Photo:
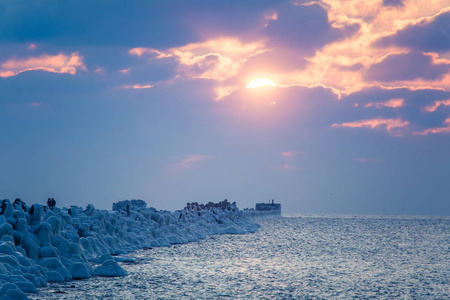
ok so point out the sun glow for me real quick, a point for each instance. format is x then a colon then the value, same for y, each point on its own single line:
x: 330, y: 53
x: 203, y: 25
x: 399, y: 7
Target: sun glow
x: 260, y: 82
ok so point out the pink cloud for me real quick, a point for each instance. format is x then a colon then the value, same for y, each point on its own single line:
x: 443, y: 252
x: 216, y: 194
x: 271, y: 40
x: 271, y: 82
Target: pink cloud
x: 436, y: 104
x: 389, y: 124
x: 218, y: 59
x: 393, y: 103
x: 283, y: 167
x: 191, y: 159
x: 362, y: 160
x: 125, y: 71
x: 445, y: 129
x: 291, y: 153
x: 60, y: 63
x: 137, y: 86
x: 146, y: 51
x: 100, y: 71
x: 32, y: 47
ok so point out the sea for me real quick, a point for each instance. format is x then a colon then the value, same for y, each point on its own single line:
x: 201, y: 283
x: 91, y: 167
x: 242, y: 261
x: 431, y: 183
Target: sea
x: 296, y: 257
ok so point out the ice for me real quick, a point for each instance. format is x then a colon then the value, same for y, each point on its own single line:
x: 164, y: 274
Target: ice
x: 11, y: 291
x: 110, y: 268
x: 79, y: 271
x: 40, y: 245
x: 53, y: 276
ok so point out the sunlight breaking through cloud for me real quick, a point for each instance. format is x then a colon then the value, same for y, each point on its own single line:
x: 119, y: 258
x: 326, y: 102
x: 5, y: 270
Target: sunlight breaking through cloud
x: 60, y: 63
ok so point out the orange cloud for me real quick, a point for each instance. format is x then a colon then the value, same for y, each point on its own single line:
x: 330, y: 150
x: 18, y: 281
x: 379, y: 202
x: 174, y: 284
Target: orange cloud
x: 393, y: 103
x: 436, y: 104
x: 125, y: 71
x: 270, y: 17
x: 389, y: 124
x: 218, y: 59
x: 223, y: 91
x: 59, y: 63
x: 445, y: 129
x: 147, y: 51
x: 137, y: 86
x: 341, y: 64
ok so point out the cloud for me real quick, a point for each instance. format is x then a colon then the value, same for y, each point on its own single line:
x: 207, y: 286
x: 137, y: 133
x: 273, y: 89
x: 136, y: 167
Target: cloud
x: 429, y: 34
x: 100, y: 70
x: 291, y: 153
x: 147, y: 51
x: 407, y: 66
x: 217, y: 59
x: 136, y: 86
x: 125, y: 71
x: 422, y: 108
x: 287, y: 166
x: 36, y: 104
x: 445, y: 129
x: 393, y: 103
x: 395, y: 3
x: 283, y: 167
x: 306, y: 27
x: 192, y: 159
x: 391, y: 125
x: 117, y: 24
x: 60, y: 63
x: 436, y: 104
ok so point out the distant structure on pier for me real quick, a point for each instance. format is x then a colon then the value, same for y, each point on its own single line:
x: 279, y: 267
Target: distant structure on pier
x: 263, y: 211
x: 268, y: 206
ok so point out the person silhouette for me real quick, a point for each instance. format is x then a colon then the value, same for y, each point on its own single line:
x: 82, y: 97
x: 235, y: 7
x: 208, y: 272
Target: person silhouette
x: 51, y: 203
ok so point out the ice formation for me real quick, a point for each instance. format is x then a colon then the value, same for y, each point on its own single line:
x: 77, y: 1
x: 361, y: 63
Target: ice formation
x: 39, y: 245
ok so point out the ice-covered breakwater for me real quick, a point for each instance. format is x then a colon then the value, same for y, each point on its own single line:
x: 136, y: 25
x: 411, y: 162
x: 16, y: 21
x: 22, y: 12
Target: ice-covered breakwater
x: 39, y: 245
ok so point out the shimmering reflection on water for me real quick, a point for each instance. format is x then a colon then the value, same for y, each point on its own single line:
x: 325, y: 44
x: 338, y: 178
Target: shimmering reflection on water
x: 308, y: 257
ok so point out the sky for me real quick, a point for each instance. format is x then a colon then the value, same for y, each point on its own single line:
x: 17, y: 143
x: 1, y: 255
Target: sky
x: 102, y: 101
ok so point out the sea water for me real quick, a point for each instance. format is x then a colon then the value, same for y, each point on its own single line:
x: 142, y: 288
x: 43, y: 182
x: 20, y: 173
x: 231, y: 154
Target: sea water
x: 303, y: 257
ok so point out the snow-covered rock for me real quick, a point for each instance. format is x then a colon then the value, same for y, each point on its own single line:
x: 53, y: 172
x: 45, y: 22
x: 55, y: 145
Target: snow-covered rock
x: 39, y: 245
x: 110, y: 268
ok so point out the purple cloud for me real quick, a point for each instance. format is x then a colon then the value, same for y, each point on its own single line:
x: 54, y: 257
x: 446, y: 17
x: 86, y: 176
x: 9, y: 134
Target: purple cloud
x: 395, y: 3
x: 417, y: 107
x: 428, y: 35
x: 407, y: 66
x: 305, y: 27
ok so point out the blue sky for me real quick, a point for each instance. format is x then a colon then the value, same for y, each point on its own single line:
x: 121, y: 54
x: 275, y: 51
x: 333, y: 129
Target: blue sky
x: 102, y: 101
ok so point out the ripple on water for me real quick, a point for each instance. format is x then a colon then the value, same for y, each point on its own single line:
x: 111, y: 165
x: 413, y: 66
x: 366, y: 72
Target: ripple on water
x: 307, y: 257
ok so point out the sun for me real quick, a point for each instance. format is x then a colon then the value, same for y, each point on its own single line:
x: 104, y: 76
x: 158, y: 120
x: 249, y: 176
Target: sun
x: 260, y: 82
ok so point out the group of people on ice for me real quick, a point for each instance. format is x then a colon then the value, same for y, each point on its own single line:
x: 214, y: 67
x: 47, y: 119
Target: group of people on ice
x: 224, y: 205
x: 21, y: 205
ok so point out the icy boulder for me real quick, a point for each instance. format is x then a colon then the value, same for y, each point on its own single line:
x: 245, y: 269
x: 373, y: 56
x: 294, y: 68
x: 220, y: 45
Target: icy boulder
x: 110, y: 268
x: 11, y: 291
x: 132, y: 205
x: 40, y: 245
x: 79, y: 271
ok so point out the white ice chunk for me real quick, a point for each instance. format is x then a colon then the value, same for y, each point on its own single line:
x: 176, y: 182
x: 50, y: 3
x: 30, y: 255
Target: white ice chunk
x: 110, y: 268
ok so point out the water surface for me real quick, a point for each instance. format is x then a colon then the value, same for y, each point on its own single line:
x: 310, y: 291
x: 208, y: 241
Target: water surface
x: 306, y: 257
